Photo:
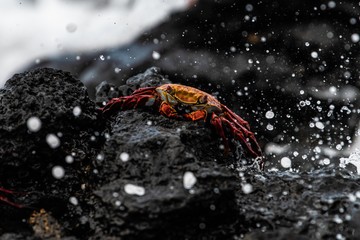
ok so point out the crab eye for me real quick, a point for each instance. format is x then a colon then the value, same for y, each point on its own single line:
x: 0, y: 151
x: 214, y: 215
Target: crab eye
x: 203, y: 99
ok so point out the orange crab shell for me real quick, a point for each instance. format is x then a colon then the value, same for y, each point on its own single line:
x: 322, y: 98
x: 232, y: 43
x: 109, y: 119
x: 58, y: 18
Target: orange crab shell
x: 187, y: 95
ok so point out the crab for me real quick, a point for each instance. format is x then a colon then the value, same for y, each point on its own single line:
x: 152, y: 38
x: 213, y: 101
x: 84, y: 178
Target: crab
x: 188, y: 103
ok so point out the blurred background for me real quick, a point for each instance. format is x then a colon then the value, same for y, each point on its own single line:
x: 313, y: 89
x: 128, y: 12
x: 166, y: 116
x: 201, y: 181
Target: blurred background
x: 32, y: 29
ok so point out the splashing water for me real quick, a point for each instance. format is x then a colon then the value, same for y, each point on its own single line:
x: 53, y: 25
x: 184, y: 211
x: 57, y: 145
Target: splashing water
x: 353, y: 159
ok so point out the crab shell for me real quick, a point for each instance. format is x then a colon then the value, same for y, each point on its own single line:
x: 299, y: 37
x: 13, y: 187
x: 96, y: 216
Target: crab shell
x: 195, y: 99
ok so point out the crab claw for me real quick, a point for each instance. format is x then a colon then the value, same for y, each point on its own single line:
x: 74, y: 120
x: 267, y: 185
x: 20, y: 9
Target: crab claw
x: 140, y: 97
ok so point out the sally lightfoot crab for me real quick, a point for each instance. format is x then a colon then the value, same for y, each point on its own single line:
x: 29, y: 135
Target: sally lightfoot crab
x: 184, y: 102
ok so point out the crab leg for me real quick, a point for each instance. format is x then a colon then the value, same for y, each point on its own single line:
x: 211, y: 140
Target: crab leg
x: 242, y: 134
x: 217, y: 123
x: 6, y: 200
x: 140, y: 97
x: 233, y: 116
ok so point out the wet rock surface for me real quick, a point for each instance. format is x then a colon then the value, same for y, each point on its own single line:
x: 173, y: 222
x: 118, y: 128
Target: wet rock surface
x: 154, y: 154
x: 147, y: 176
x: 49, y: 134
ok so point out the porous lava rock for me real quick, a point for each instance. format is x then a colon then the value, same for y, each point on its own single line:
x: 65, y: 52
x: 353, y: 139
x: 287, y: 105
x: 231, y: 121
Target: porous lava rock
x: 133, y: 177
x: 61, y: 139
x: 154, y: 153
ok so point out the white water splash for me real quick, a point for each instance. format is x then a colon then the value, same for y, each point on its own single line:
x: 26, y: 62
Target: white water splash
x: 32, y: 29
x: 353, y: 159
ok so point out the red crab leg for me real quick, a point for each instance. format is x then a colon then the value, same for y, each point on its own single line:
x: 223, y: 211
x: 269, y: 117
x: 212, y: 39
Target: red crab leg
x: 217, y: 123
x: 241, y: 133
x: 6, y: 200
x: 233, y: 116
x: 140, y: 97
x: 241, y: 130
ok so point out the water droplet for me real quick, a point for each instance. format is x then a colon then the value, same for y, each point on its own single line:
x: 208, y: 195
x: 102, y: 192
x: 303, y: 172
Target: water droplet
x: 189, y: 180
x: 247, y: 188
x: 319, y: 125
x: 285, y: 162
x: 249, y: 7
x: 73, y: 200
x: 331, y: 4
x: 269, y: 114
x: 134, y: 190
x: 270, y: 59
x: 202, y: 226
x: 124, y: 156
x: 269, y: 127
x: 355, y: 37
x: 347, y: 74
x: 52, y: 140
x: 314, y: 54
x: 58, y: 172
x: 100, y: 157
x: 77, y: 111
x: 69, y: 159
x: 33, y: 124
x: 156, y: 55
x: 332, y: 89
x: 337, y: 219
x: 357, y: 194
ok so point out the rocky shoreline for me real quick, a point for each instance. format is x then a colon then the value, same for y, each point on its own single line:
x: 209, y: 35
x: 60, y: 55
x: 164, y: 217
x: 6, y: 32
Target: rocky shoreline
x: 289, y: 69
x: 126, y: 179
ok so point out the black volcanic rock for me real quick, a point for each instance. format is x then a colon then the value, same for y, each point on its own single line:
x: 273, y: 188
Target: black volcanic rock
x: 153, y: 152
x: 132, y: 176
x: 50, y: 96
x: 65, y: 141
